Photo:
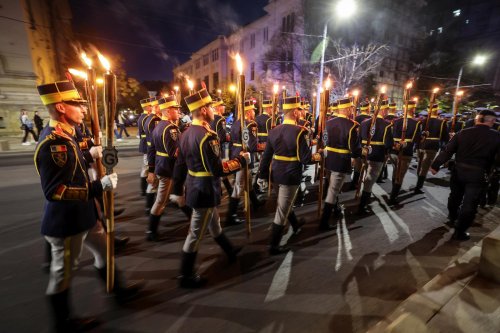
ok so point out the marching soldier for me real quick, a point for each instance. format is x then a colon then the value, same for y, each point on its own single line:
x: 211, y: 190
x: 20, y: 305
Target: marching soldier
x: 380, y: 144
x: 218, y: 125
x: 436, y: 136
x: 342, y: 143
x: 143, y: 147
x: 391, y: 115
x: 199, y: 160
x: 69, y: 219
x: 402, y: 151
x: 236, y: 148
x: 477, y: 151
x: 264, y: 120
x: 459, y: 125
x: 150, y: 121
x: 364, y: 109
x: 162, y: 154
x: 288, y: 149
x: 308, y: 113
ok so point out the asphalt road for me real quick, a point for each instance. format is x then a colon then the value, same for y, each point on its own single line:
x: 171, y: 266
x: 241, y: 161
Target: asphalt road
x: 341, y: 281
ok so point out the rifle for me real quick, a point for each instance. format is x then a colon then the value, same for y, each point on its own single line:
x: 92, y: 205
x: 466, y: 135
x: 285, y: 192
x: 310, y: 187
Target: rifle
x: 321, y: 143
x: 371, y: 131
x: 406, y: 98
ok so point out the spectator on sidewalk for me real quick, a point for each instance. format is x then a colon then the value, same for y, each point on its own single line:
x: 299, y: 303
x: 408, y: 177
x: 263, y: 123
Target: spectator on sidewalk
x: 38, y: 123
x: 121, y: 125
x: 27, y: 126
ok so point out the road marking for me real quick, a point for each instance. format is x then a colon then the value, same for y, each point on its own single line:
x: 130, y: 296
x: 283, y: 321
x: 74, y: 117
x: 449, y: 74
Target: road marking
x: 343, y: 238
x: 280, y: 280
x: 378, y: 191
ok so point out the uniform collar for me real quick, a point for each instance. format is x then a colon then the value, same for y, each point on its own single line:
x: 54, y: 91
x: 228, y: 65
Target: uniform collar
x: 65, y: 127
x: 341, y: 116
x: 289, y: 122
x: 197, y: 122
x: 379, y: 116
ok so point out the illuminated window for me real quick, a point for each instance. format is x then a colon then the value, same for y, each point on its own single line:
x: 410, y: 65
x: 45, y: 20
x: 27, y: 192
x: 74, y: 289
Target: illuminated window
x: 440, y: 30
x: 456, y: 13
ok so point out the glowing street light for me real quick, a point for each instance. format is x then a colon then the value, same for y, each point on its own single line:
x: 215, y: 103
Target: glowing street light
x: 479, y: 60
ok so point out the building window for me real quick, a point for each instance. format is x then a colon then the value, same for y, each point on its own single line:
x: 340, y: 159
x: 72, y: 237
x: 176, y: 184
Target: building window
x: 216, y: 80
x: 242, y: 44
x: 456, y: 13
x: 265, y: 35
x: 231, y: 75
x: 440, y: 30
x: 215, y: 55
x: 206, y: 83
x: 197, y: 64
x: 466, y: 21
x: 288, y: 23
x: 205, y: 60
x: 252, y: 41
x: 252, y: 71
x: 431, y: 32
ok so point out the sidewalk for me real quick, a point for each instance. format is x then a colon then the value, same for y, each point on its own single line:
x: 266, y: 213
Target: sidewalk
x: 12, y: 145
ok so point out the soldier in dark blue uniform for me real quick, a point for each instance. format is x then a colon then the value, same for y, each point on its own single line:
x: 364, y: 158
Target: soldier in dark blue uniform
x: 69, y: 216
x: 364, y: 114
x: 264, y: 120
x: 436, y: 137
x: 219, y: 126
x: 459, y: 125
x: 236, y: 148
x: 402, y: 159
x: 374, y: 154
x: 199, y: 160
x: 150, y: 121
x: 391, y: 115
x: 162, y: 154
x: 288, y: 149
x: 477, y: 151
x: 342, y: 144
x: 143, y: 147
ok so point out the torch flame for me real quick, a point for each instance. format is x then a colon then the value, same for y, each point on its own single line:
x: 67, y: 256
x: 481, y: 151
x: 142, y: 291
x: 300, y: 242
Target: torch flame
x: 239, y: 63
x: 190, y: 84
x: 275, y: 88
x: 460, y: 93
x: 435, y: 90
x: 176, y: 88
x: 78, y: 73
x: 355, y: 93
x: 383, y: 89
x: 328, y: 83
x: 105, y: 62
x: 99, y: 80
x: 415, y: 99
x: 409, y: 85
x: 86, y: 59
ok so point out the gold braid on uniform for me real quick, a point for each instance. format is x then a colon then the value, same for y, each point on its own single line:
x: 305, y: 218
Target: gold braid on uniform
x: 64, y: 192
x: 231, y: 166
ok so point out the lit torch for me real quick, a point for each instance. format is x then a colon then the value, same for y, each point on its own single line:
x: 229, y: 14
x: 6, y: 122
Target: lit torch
x: 458, y: 96
x: 190, y: 85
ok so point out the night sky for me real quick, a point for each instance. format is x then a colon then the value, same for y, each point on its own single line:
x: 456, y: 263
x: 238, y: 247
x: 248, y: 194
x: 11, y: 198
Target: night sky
x: 155, y: 35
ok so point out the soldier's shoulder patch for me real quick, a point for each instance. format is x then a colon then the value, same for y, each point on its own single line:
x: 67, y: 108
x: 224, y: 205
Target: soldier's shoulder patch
x: 174, y: 134
x: 59, y: 154
x: 214, y: 144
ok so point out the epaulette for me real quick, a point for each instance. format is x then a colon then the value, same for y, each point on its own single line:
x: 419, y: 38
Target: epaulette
x: 209, y: 130
x: 58, y: 132
x: 252, y: 124
x: 354, y: 121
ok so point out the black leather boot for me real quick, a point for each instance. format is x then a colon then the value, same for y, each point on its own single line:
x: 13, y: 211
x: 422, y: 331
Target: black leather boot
x: 420, y: 184
x: 385, y: 172
x: 152, y: 233
x: 228, y: 248
x: 276, y: 234
x: 189, y: 279
x: 363, y: 203
x: 380, y: 179
x: 324, y: 223
x: 256, y: 203
x: 231, y: 216
x: 355, y: 179
x: 296, y: 224
x: 144, y: 186
x: 122, y: 291
x: 227, y: 185
x: 393, y: 200
x: 188, y: 211
x: 120, y: 242
x: 150, y: 201
x: 61, y: 314
x: 337, y: 209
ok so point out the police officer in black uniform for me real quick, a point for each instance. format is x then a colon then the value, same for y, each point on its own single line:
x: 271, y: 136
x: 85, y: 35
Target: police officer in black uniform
x: 477, y: 151
x: 437, y: 135
x: 288, y: 149
x: 342, y: 144
x: 199, y: 160
x: 374, y: 154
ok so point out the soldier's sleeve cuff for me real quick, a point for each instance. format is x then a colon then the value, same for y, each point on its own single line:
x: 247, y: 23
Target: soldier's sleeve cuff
x: 316, y: 157
x: 64, y: 192
x: 231, y: 166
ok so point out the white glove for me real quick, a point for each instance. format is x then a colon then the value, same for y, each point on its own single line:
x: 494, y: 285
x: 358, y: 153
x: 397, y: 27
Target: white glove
x: 262, y: 183
x: 246, y: 155
x: 92, y: 172
x: 180, y: 200
x: 109, y: 181
x: 96, y: 152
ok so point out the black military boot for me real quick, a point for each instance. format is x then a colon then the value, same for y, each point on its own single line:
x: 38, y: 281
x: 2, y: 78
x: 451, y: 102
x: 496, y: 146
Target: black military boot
x: 144, y: 185
x: 337, y: 209
x: 460, y: 235
x: 380, y: 179
x: 61, y: 314
x: 274, y: 247
x: 363, y: 203
x: 228, y: 248
x: 188, y: 211
x: 393, y: 199
x: 296, y: 224
x: 227, y: 185
x: 385, y: 172
x: 231, y: 216
x: 122, y: 291
x: 120, y: 242
x: 420, y: 184
x: 324, y: 224
x: 152, y: 233
x: 189, y: 279
x: 355, y: 180
x: 256, y: 203
x: 150, y: 201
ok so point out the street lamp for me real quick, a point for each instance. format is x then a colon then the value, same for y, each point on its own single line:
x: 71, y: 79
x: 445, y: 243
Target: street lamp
x: 343, y: 9
x: 479, y: 60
